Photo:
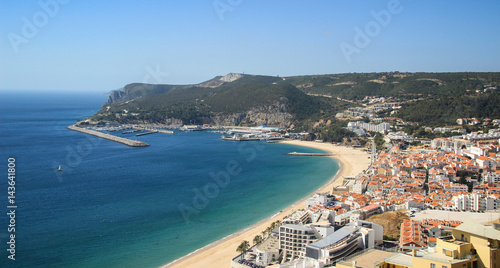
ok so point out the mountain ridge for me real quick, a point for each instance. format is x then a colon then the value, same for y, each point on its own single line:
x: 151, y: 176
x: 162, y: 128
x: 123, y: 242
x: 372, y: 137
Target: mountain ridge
x: 246, y: 99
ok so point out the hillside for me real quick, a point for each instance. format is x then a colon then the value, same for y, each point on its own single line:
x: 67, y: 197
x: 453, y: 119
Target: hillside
x: 446, y: 110
x: 302, y: 101
x: 394, y: 84
x: 242, y: 100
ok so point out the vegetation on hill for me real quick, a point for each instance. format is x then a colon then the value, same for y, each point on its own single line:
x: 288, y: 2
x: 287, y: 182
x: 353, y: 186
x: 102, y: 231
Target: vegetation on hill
x: 355, y: 86
x: 446, y: 110
x: 194, y: 104
x: 434, y: 99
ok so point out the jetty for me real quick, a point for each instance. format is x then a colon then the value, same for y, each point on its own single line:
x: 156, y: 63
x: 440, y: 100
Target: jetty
x: 308, y: 154
x: 125, y: 141
x: 131, y: 131
x: 165, y: 131
x: 150, y: 131
x: 145, y: 133
x: 154, y: 130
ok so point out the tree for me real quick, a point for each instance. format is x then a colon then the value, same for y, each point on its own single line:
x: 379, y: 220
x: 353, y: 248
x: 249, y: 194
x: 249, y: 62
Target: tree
x: 264, y: 232
x: 379, y: 141
x: 243, y: 247
x: 257, y: 239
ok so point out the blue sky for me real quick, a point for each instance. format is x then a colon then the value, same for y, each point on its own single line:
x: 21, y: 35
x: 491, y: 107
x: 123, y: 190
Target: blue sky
x: 103, y: 45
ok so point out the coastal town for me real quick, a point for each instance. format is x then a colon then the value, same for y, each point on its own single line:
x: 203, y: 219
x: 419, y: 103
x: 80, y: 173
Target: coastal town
x: 446, y: 189
x: 441, y: 195
x: 406, y: 195
x: 250, y: 134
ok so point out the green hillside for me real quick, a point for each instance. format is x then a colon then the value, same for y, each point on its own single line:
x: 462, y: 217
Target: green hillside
x: 193, y: 104
x: 401, y: 85
x: 445, y: 111
x: 434, y: 98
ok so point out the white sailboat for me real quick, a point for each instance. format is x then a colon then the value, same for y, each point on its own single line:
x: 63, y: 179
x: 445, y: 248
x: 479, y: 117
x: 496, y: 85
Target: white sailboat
x: 59, y: 169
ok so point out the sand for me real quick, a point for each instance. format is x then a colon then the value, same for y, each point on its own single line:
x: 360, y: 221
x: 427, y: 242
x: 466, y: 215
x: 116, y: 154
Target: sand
x: 219, y: 254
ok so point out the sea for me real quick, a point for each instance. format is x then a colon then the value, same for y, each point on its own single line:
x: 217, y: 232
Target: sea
x: 118, y: 206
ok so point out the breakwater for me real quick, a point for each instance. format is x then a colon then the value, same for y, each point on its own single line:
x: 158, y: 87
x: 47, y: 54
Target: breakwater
x: 128, y: 142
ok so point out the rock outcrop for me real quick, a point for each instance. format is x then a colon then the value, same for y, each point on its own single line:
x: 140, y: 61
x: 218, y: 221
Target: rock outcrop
x: 231, y: 77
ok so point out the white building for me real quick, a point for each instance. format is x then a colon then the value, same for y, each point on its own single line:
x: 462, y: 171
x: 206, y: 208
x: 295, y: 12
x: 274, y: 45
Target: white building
x: 321, y: 199
x: 268, y: 251
x: 418, y: 203
x: 382, y: 127
x: 298, y: 217
x: 293, y: 240
x: 455, y: 188
x: 474, y: 201
x: 491, y: 177
x: 345, y: 241
x: 486, y: 162
x: 398, y: 136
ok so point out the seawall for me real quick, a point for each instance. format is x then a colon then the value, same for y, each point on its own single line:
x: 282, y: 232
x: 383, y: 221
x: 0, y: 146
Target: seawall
x: 125, y: 141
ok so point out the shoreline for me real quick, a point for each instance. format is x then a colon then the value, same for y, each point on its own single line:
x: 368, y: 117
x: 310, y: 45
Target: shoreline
x: 220, y: 253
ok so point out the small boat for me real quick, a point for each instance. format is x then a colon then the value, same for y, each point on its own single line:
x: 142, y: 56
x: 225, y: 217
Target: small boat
x: 59, y: 169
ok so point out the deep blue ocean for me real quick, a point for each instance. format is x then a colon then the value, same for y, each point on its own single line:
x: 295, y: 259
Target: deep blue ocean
x: 118, y: 206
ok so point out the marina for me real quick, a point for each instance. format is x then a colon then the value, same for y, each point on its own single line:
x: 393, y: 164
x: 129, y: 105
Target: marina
x: 238, y: 138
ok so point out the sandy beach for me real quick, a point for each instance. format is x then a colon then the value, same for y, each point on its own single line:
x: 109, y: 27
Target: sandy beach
x: 219, y: 254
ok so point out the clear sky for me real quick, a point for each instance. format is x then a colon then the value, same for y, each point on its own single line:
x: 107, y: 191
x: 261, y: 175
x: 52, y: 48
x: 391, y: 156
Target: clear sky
x: 77, y: 45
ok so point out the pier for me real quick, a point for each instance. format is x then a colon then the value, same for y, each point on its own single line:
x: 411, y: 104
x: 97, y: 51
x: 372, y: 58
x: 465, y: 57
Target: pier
x: 308, y: 154
x: 150, y: 131
x: 146, y: 133
x: 131, y: 131
x: 128, y: 142
x: 165, y: 131
x: 154, y: 130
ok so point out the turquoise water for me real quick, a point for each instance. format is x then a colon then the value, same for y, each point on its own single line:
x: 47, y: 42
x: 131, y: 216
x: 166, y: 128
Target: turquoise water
x: 117, y: 206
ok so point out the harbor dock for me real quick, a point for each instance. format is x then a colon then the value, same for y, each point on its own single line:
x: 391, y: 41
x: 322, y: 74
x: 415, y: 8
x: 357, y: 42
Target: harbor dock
x: 146, y: 133
x: 308, y: 154
x: 150, y: 131
x: 128, y: 142
x: 165, y: 131
x: 131, y: 131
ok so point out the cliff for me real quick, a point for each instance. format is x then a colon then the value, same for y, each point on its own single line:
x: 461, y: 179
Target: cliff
x: 142, y: 90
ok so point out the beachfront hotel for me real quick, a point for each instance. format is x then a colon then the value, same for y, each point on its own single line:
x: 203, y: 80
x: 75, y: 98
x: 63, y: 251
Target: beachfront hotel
x: 323, y: 245
x: 294, y: 238
x: 345, y: 241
